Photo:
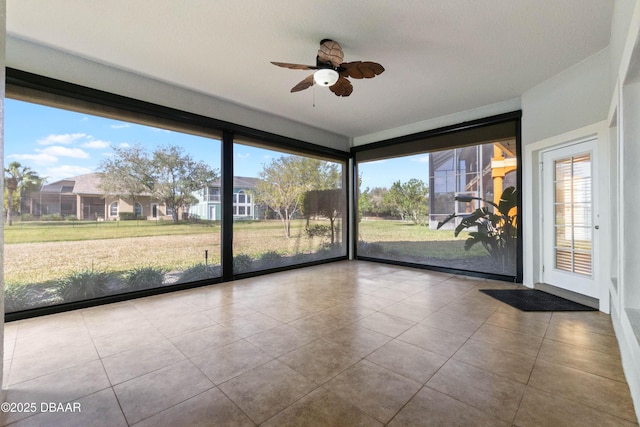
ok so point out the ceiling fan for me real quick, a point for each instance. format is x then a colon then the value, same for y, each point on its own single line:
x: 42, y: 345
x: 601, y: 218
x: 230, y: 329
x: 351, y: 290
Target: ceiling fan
x: 332, y: 72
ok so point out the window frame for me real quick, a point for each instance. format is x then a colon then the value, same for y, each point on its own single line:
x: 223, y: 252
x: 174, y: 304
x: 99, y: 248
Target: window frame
x: 34, y: 88
x: 488, y: 128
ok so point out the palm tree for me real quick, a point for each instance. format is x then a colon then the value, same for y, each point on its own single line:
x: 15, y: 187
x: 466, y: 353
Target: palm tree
x: 18, y: 178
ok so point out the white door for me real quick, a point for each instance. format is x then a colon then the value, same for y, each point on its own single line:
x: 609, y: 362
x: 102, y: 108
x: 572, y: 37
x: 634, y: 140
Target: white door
x: 569, y: 213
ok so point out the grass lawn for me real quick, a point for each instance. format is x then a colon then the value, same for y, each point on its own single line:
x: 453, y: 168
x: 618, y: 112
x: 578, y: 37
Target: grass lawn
x: 414, y: 240
x: 64, y: 231
x: 37, y: 252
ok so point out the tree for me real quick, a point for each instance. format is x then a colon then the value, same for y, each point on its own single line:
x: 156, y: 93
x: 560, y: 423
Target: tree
x: 18, y: 179
x: 410, y: 199
x: 285, y: 180
x: 374, y: 201
x: 167, y: 174
x: 364, y: 203
x: 121, y: 174
x: 327, y: 203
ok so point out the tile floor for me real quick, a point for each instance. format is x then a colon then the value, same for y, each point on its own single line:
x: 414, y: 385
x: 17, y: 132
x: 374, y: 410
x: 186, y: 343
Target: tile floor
x: 343, y: 344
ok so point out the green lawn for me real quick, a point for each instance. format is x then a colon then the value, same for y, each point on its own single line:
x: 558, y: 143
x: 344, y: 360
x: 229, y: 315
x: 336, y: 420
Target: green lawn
x: 65, y: 231
x: 37, y: 252
x: 414, y: 240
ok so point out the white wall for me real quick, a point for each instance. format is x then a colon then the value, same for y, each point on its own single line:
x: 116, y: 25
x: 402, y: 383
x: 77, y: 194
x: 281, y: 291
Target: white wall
x: 595, y: 97
x: 45, y: 61
x: 574, y: 98
x: 560, y: 109
x: 622, y: 15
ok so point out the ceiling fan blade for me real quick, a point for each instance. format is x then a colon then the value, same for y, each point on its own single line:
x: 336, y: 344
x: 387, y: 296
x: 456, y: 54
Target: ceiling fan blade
x: 330, y: 52
x: 342, y: 87
x: 361, y: 70
x: 294, y: 66
x: 306, y: 83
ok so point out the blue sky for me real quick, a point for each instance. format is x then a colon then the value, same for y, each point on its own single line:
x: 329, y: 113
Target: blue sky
x: 383, y: 173
x: 60, y: 144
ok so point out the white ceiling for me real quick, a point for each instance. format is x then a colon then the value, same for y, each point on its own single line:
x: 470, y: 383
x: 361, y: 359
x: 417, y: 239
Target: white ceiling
x: 441, y: 56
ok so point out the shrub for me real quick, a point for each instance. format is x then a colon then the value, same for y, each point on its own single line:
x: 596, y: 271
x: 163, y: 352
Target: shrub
x: 270, y: 259
x: 19, y: 297
x: 51, y: 217
x: 318, y: 230
x: 144, y: 278
x: 84, y: 284
x: 494, y: 226
x: 365, y: 248
x: 242, y: 263
x: 199, y: 272
x: 71, y: 218
x: 130, y: 216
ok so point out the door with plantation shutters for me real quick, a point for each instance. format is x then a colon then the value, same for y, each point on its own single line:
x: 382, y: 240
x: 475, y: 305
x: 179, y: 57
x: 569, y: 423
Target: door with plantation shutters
x: 569, y: 217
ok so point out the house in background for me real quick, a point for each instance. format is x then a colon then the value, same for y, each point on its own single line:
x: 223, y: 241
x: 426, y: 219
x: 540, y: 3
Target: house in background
x: 209, y: 206
x: 82, y: 197
x: 482, y: 171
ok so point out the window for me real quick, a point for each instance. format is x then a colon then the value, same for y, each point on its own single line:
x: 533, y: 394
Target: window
x: 414, y: 197
x: 210, y: 241
x: 214, y: 194
x: 81, y: 187
x: 296, y: 204
x: 242, y: 204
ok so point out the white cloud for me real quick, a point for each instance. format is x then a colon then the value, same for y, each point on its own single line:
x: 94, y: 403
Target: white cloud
x: 124, y: 145
x: 51, y: 155
x: 65, y: 171
x: 244, y: 156
x: 121, y: 126
x: 64, y: 138
x: 96, y: 144
x: 59, y: 151
x: 40, y: 158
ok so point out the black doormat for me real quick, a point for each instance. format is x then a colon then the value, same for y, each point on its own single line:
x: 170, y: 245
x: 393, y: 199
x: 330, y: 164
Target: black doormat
x: 535, y: 300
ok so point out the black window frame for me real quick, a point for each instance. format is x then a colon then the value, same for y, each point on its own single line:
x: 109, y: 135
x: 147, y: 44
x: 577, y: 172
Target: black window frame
x: 29, y: 87
x: 439, y: 139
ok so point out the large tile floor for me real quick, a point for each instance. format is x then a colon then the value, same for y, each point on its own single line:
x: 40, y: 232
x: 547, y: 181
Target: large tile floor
x: 350, y: 343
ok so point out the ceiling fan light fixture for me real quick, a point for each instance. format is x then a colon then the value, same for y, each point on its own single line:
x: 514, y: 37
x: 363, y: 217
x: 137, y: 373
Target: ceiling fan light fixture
x: 325, y: 77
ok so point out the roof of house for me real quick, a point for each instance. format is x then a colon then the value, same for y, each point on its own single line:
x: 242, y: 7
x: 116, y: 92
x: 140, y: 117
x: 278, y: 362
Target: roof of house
x: 62, y: 186
x: 244, y: 182
x: 90, y: 184
x: 239, y: 182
